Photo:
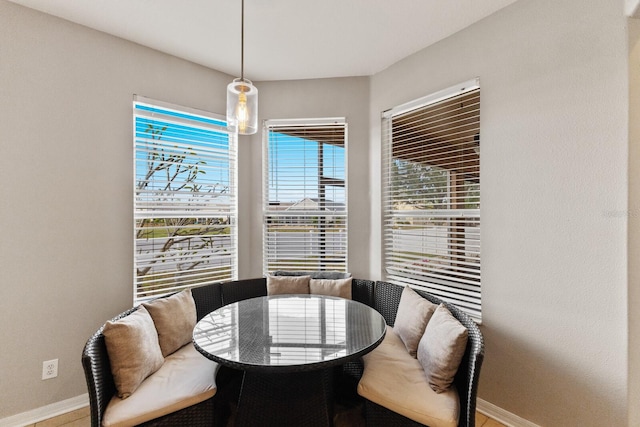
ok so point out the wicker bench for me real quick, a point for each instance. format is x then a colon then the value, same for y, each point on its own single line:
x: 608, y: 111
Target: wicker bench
x: 384, y: 297
x: 386, y: 301
x: 101, y: 385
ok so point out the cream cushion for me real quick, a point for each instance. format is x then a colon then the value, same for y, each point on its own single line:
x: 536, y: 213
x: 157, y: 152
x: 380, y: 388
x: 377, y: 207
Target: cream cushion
x: 174, y: 318
x: 441, y: 348
x: 335, y: 288
x: 134, y: 352
x: 186, y: 378
x: 412, y: 317
x: 279, y: 285
x: 394, y: 379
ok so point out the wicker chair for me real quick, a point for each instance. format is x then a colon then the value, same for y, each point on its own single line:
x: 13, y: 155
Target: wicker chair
x: 101, y: 386
x: 386, y: 301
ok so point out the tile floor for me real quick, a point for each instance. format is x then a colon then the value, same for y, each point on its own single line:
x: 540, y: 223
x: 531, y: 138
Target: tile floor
x: 78, y: 418
x: 484, y: 421
x: 81, y: 418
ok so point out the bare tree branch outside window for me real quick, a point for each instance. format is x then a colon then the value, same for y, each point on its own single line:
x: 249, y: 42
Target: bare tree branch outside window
x: 180, y: 240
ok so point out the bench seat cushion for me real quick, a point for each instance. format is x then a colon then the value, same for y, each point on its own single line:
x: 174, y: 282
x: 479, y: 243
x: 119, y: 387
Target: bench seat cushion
x: 186, y: 378
x: 394, y: 379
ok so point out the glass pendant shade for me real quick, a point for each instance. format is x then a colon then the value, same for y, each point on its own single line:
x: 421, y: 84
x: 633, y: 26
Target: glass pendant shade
x: 242, y: 107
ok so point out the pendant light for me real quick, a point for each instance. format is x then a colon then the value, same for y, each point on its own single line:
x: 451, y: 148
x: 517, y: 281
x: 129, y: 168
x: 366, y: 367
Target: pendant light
x: 242, y: 98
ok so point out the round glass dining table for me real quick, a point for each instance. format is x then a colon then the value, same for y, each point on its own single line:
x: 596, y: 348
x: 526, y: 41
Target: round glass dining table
x: 287, y: 345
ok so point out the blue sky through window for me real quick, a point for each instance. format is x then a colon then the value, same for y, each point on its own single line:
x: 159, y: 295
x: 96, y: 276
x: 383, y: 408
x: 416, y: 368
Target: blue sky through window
x: 172, y: 133
x: 294, y: 170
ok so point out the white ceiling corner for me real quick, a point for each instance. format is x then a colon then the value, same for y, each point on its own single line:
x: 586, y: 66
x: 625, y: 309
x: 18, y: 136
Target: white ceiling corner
x: 632, y: 8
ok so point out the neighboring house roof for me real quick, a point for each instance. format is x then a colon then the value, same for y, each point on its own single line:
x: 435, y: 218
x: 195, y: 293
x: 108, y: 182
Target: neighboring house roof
x: 309, y: 203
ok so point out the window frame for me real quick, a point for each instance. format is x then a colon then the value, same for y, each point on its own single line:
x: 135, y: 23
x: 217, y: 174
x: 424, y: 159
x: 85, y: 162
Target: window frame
x: 413, y: 253
x: 273, y: 210
x: 202, y: 210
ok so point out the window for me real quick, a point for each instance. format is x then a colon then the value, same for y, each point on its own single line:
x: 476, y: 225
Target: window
x: 431, y: 150
x: 305, y: 197
x: 184, y: 199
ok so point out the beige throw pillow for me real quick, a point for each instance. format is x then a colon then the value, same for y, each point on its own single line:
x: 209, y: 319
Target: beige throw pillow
x: 412, y: 317
x: 174, y: 317
x: 279, y: 285
x: 134, y: 353
x: 335, y: 288
x: 441, y: 349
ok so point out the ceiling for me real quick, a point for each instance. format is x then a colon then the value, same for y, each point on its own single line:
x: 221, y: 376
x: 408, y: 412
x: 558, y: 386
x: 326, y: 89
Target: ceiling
x: 284, y: 39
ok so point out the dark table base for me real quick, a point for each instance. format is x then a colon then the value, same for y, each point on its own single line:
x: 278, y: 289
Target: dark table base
x: 286, y: 399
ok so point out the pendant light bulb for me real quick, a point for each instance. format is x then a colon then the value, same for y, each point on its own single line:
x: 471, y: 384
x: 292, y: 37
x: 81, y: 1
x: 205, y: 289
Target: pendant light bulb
x: 241, y: 113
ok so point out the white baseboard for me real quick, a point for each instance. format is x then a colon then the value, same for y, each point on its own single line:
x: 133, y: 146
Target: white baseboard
x: 45, y: 412
x: 499, y: 414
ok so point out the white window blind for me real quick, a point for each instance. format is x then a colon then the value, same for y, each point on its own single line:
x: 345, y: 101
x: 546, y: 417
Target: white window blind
x: 431, y: 192
x: 305, y: 195
x: 184, y: 199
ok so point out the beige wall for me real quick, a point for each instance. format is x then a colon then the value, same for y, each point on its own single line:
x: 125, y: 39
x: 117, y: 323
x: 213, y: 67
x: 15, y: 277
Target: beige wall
x: 553, y: 79
x: 554, y: 193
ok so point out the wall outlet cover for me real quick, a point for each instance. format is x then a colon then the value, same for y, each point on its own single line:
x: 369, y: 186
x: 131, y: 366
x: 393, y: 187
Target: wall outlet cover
x: 49, y: 369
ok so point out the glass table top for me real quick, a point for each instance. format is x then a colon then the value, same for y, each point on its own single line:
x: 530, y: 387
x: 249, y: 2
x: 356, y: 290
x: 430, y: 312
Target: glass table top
x: 289, y: 332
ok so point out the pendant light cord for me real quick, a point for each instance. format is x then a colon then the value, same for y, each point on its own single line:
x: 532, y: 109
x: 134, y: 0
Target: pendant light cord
x: 242, y: 44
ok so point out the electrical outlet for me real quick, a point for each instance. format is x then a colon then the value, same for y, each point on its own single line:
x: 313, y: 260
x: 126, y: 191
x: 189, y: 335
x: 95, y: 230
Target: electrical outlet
x: 49, y: 369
